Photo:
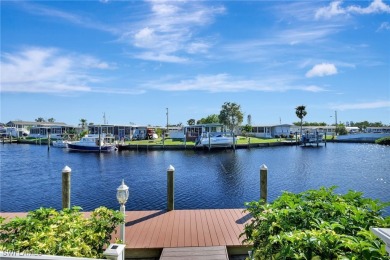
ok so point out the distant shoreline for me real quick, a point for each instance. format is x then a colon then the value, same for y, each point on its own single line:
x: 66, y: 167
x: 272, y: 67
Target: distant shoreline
x: 191, y: 146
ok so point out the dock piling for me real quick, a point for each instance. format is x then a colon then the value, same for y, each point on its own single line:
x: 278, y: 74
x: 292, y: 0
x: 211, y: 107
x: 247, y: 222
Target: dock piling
x: 66, y: 187
x: 170, y: 188
x: 263, y: 182
x: 48, y: 139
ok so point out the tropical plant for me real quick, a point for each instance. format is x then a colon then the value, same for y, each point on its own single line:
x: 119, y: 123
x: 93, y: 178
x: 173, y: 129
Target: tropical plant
x: 83, y: 133
x: 40, y: 119
x: 191, y: 121
x: 300, y: 111
x: 317, y: 224
x: 364, y: 124
x: 384, y: 141
x: 63, y: 233
x: 341, y: 129
x: 310, y: 123
x: 83, y: 123
x: 210, y: 119
x: 51, y: 120
x: 231, y: 115
x: 246, y: 129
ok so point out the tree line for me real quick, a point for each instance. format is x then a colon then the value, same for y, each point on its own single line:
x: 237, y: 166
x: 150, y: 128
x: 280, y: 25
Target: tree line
x: 232, y: 116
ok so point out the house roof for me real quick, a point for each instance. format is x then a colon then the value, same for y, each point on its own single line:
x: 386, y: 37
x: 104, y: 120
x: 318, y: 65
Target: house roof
x: 284, y: 125
x: 34, y: 123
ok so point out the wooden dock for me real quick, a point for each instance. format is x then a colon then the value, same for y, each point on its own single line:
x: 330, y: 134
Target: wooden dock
x: 149, y: 232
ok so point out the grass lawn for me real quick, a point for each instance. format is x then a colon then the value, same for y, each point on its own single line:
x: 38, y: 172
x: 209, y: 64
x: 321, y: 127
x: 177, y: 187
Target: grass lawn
x: 169, y: 141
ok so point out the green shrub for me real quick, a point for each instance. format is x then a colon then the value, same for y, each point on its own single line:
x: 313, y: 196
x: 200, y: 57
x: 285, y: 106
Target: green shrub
x: 384, y: 141
x: 64, y: 233
x: 317, y: 224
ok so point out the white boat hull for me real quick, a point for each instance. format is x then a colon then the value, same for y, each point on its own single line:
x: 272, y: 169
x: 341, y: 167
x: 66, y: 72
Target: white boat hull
x: 93, y: 143
x: 215, y: 141
x: 369, y: 137
x: 61, y: 143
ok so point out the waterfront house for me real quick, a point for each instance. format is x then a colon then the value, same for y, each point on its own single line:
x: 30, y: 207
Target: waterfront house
x: 123, y: 132
x: 329, y: 130
x: 270, y: 131
x: 118, y: 131
x: 56, y: 130
x: 379, y: 130
x: 39, y: 129
x: 191, y: 132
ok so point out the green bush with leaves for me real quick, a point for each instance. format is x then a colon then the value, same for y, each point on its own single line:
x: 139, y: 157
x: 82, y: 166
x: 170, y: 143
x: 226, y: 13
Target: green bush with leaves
x: 384, y: 141
x: 66, y: 233
x: 317, y: 224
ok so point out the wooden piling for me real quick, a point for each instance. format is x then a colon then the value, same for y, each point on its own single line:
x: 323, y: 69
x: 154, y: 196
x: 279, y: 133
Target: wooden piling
x: 263, y: 182
x: 170, y: 188
x: 66, y: 187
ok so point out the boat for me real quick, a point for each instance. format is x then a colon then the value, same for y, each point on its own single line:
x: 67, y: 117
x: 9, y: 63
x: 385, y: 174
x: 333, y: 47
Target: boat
x: 314, y: 137
x: 362, y: 137
x: 60, y: 143
x: 94, y: 143
x: 214, y: 139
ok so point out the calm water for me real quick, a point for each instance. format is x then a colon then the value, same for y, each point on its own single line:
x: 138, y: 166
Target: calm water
x: 31, y: 175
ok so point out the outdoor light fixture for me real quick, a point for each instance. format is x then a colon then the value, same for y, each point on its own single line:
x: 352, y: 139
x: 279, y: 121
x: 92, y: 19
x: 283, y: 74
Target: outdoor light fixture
x: 122, y: 194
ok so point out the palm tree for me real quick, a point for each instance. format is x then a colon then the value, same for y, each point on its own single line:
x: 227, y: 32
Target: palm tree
x: 301, y: 113
x: 83, y: 123
x: 40, y: 119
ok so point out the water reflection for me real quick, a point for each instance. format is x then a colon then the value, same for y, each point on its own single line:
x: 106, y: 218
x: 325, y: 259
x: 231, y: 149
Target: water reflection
x: 31, y: 176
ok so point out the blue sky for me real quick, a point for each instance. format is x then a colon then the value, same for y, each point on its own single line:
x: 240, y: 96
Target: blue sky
x: 131, y: 60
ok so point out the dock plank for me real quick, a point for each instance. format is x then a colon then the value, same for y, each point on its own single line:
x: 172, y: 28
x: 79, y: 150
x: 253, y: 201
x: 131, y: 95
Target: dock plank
x: 170, y: 229
x: 161, y: 232
x: 182, y: 229
x: 199, y: 229
x: 157, y: 229
x: 195, y: 253
x: 188, y: 230
x: 194, y: 231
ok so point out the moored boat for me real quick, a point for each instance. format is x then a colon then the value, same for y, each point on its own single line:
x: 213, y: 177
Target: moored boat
x: 60, y: 143
x: 314, y: 137
x: 214, y: 139
x: 94, y: 143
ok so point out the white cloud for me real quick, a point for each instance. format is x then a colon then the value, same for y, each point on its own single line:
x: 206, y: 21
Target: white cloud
x: 162, y: 57
x: 377, y: 6
x: 358, y: 106
x: 79, y: 20
x: 197, y: 47
x: 335, y: 9
x: 47, y: 70
x: 220, y: 83
x: 170, y: 30
x: 323, y: 69
x: 332, y: 10
x: 384, y: 26
x: 312, y: 88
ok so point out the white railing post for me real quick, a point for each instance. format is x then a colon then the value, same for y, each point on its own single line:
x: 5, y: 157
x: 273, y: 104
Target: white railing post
x: 384, y: 234
x: 115, y: 252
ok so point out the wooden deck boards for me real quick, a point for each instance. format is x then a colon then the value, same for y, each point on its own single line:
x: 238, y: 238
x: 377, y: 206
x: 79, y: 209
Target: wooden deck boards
x: 184, y: 228
x: 195, y: 253
x: 159, y: 229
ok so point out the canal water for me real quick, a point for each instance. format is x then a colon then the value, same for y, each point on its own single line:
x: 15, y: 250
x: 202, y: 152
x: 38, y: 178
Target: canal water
x: 31, y: 175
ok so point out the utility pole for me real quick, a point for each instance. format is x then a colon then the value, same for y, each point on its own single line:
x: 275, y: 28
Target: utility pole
x: 104, y: 118
x: 335, y: 116
x: 167, y: 121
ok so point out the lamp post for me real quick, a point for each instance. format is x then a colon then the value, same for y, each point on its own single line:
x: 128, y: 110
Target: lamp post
x: 122, y: 194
